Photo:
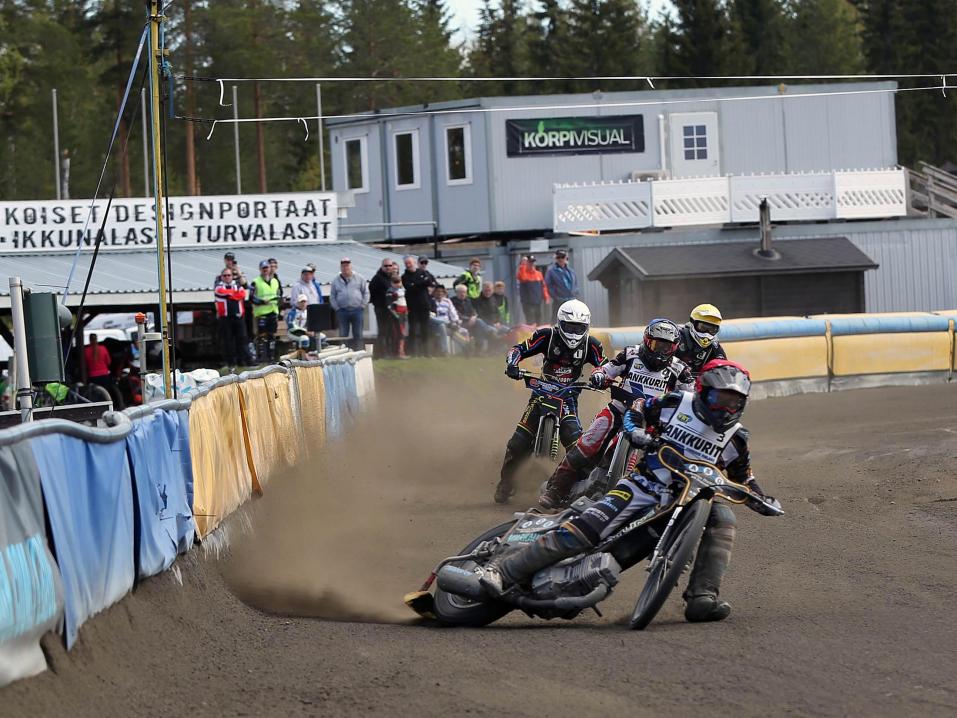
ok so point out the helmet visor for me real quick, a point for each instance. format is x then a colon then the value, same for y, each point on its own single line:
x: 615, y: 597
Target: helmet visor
x: 661, y: 347
x: 726, y: 400
x: 706, y: 328
x: 573, y: 328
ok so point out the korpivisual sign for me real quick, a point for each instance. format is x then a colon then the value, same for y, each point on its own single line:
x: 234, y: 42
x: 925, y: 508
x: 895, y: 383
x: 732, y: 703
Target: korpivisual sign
x: 575, y: 135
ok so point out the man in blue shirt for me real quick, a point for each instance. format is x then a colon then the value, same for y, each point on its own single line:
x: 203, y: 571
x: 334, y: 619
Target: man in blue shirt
x: 561, y: 280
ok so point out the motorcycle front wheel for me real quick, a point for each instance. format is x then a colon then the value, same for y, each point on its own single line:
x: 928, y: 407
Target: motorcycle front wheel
x: 543, y: 442
x: 685, y: 535
x: 454, y: 610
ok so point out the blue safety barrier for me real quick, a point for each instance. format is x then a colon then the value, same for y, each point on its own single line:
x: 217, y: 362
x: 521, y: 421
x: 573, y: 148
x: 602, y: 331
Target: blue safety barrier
x: 843, y: 326
x: 334, y: 400
x: 176, y: 425
x: 164, y: 526
x: 31, y: 590
x: 351, y: 392
x: 89, y: 497
x: 772, y: 329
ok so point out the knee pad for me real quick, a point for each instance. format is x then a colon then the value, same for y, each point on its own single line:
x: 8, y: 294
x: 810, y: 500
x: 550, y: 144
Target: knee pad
x: 576, y: 459
x: 570, y: 536
x: 519, y: 442
x: 721, y: 516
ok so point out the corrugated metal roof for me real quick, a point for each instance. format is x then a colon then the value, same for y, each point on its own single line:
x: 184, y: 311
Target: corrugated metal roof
x: 194, y: 269
x: 737, y: 258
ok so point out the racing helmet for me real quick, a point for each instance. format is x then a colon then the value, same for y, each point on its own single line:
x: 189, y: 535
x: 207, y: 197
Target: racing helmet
x: 574, y: 318
x: 659, y: 343
x: 705, y: 323
x: 721, y: 392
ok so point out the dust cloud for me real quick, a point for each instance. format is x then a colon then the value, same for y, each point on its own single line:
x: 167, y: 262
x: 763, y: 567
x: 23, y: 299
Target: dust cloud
x: 345, y: 536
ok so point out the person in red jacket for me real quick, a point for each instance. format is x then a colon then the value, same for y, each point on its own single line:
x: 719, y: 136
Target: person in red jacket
x: 532, y: 291
x: 230, y: 316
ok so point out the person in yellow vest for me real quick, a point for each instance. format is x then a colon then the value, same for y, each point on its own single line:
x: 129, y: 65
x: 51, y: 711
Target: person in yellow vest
x: 266, y: 295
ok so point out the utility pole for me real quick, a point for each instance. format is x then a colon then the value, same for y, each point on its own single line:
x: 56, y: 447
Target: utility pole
x: 56, y: 148
x: 146, y: 144
x: 322, y: 153
x: 155, y: 59
x: 23, y: 384
x: 239, y: 172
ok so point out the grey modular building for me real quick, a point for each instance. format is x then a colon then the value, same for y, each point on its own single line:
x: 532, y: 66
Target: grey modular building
x: 488, y: 165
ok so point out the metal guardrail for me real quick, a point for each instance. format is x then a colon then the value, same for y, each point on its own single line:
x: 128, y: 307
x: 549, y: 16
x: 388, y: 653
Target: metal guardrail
x: 692, y: 201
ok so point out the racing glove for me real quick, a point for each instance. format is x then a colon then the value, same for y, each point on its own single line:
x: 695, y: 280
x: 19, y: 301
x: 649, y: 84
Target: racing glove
x: 598, y: 380
x: 639, y: 439
x: 513, y: 372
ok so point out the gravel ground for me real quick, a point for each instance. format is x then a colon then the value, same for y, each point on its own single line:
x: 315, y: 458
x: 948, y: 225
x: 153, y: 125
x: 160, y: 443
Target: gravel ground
x: 845, y: 606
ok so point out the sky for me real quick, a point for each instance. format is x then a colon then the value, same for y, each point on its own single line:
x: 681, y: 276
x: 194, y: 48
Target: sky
x: 465, y: 13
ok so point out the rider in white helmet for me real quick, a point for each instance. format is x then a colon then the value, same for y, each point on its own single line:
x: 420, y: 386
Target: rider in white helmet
x: 567, y: 347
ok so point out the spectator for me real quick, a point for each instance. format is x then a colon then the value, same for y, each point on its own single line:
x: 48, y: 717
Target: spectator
x: 265, y: 294
x: 297, y: 324
x: 379, y: 287
x: 487, y: 309
x: 229, y: 259
x: 349, y: 296
x: 501, y: 304
x: 445, y: 322
x: 99, y: 370
x: 399, y: 313
x: 417, y: 282
x: 532, y: 291
x: 469, y: 317
x: 307, y: 285
x: 561, y: 280
x: 471, y: 278
x: 284, y: 302
x: 230, y: 301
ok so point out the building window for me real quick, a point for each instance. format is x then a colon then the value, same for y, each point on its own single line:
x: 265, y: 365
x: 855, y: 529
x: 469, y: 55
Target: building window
x: 357, y: 165
x: 696, y: 142
x: 406, y: 159
x: 458, y: 154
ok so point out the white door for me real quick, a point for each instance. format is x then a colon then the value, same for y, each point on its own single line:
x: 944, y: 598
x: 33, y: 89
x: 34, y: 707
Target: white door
x: 694, y: 144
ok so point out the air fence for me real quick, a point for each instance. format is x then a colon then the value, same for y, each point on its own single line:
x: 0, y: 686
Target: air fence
x: 124, y: 500
x: 791, y: 355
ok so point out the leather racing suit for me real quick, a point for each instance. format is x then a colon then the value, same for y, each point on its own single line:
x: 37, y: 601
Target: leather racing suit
x: 640, y: 382
x: 693, y: 354
x: 563, y: 365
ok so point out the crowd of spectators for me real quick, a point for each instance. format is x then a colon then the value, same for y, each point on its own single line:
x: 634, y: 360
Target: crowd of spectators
x: 415, y: 316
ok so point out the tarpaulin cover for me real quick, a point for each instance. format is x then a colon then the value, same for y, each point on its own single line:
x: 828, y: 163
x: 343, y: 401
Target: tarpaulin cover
x: 284, y: 423
x: 176, y: 425
x: 89, y: 497
x: 312, y: 405
x: 31, y: 590
x: 221, y: 476
x: 165, y: 526
x: 334, y: 400
x: 365, y: 378
x: 264, y: 449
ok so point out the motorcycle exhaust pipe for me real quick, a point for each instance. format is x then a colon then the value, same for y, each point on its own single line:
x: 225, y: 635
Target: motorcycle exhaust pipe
x: 461, y: 582
x: 566, y: 603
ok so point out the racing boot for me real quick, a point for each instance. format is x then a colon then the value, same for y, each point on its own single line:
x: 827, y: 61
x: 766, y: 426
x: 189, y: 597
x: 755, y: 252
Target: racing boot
x: 714, y: 555
x: 515, y: 450
x: 572, y: 468
x: 519, y: 565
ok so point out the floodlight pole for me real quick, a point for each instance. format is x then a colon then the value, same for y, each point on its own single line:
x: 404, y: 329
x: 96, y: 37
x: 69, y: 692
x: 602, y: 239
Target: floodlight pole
x: 155, y: 59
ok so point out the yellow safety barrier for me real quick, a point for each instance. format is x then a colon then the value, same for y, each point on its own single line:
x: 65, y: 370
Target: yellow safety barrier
x: 221, y: 476
x: 272, y: 435
x: 312, y: 406
x: 891, y: 353
x: 781, y: 358
x: 284, y: 423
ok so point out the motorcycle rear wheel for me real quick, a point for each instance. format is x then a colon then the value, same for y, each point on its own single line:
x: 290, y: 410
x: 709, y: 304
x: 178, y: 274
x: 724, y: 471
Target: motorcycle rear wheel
x: 676, y: 554
x: 454, y: 610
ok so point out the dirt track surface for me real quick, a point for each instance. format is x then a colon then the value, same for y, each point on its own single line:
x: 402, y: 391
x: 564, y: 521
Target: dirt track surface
x: 846, y: 606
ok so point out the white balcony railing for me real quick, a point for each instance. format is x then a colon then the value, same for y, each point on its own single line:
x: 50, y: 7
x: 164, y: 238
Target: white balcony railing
x: 859, y: 194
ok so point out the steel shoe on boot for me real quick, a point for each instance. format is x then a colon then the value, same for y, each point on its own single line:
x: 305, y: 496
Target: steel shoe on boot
x: 504, y: 491
x: 518, y: 565
x: 706, y: 608
x: 551, y: 499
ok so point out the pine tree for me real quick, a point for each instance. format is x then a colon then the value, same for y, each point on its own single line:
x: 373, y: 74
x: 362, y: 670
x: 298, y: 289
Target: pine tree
x: 605, y: 38
x: 547, y: 45
x: 826, y: 38
x: 761, y: 31
x: 502, y: 47
x: 698, y: 42
x: 435, y: 55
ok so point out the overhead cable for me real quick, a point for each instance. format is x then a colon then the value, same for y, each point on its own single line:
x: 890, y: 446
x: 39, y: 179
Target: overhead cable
x: 583, y: 106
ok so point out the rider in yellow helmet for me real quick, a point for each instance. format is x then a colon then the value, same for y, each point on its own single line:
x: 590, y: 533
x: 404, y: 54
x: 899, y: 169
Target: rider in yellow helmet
x: 697, y: 341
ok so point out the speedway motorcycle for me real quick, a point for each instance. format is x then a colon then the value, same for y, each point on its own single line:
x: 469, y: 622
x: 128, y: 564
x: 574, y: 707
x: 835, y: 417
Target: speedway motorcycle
x: 551, y: 397
x: 622, y: 457
x: 666, y: 536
